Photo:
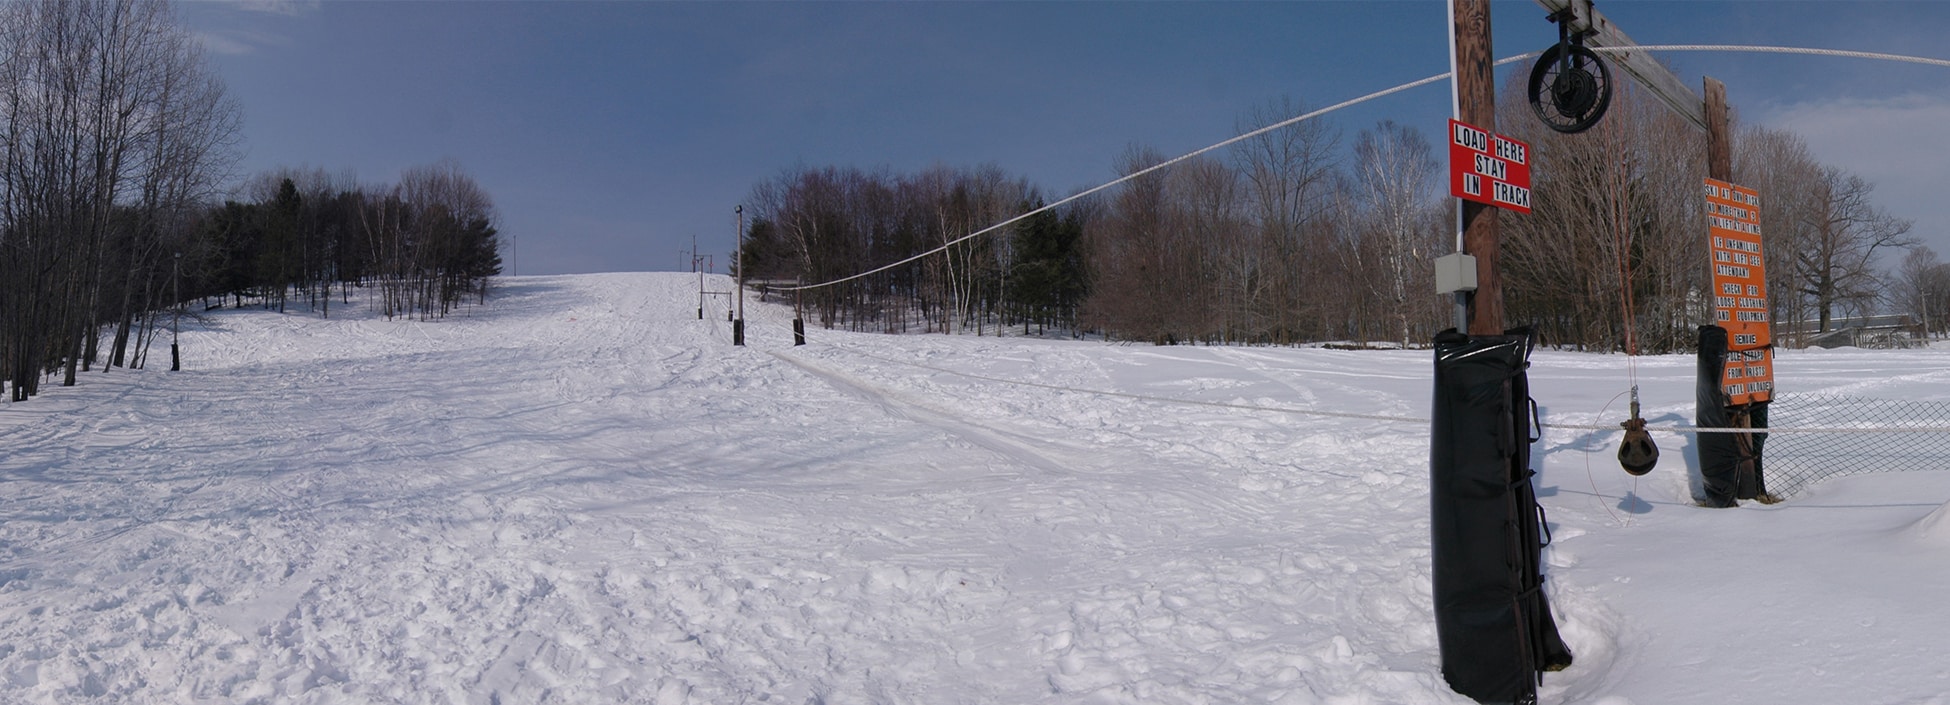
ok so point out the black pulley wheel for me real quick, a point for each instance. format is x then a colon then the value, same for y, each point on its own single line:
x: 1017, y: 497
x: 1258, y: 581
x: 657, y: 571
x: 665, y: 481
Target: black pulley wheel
x: 1570, y: 96
x: 1637, y: 454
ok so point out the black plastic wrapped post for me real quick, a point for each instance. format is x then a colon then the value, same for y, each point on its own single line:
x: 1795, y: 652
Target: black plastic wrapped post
x: 1493, y: 621
x: 1729, y: 463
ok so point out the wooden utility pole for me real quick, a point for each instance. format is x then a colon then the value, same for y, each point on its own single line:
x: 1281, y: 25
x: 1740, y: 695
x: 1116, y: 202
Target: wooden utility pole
x: 1476, y: 104
x: 1719, y: 143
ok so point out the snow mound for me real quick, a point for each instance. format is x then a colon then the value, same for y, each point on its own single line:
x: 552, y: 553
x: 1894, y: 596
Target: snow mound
x: 1935, y: 527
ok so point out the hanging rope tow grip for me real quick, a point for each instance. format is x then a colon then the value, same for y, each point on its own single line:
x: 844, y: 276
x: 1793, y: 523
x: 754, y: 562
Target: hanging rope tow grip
x: 1638, y: 454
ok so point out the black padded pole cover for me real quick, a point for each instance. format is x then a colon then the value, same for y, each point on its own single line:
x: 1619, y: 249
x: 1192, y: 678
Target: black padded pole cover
x: 1493, y: 622
x: 1729, y: 463
x: 1718, y: 455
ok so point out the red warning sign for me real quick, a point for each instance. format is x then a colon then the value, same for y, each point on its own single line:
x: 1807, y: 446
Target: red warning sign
x: 1489, y: 169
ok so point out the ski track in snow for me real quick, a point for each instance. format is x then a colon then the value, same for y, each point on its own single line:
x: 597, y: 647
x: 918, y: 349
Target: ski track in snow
x: 581, y: 493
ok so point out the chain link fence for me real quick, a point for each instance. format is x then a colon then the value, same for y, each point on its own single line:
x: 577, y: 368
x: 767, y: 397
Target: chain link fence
x: 1895, y: 436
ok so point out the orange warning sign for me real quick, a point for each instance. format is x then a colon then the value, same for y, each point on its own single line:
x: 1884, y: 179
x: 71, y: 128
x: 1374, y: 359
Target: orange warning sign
x: 1740, y: 290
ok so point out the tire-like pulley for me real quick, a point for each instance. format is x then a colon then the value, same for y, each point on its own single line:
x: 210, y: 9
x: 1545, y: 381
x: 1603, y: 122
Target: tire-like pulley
x: 1570, y: 95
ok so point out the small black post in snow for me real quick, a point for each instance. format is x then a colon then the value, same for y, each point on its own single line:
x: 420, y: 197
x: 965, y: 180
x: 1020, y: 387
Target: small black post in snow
x: 738, y: 324
x: 798, y: 319
x: 700, y: 277
x: 176, y: 320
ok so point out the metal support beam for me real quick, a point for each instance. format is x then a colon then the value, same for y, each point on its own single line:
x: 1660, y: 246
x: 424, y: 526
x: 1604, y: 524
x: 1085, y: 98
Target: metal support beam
x: 1640, y: 65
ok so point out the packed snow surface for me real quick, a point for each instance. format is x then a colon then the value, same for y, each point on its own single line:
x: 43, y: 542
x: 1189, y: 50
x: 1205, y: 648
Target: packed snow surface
x: 581, y: 492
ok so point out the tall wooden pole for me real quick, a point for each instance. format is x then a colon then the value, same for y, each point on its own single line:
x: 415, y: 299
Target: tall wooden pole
x: 1476, y: 105
x: 1731, y: 463
x: 1719, y: 144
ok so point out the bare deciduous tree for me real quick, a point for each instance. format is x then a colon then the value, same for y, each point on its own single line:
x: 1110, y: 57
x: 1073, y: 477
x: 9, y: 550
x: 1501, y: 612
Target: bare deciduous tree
x: 1779, y: 166
x: 111, y: 131
x: 1394, y: 170
x: 1289, y: 176
x: 1922, y: 287
x: 1836, y: 263
x: 1616, y: 234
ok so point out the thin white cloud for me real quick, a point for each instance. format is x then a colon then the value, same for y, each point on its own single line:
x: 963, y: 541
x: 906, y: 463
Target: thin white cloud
x: 1896, y: 143
x: 287, y: 8
x: 221, y: 43
x: 245, y: 26
x: 238, y: 41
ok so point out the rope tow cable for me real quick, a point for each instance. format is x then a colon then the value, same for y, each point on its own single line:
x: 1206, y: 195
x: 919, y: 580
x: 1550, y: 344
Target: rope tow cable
x: 1676, y: 430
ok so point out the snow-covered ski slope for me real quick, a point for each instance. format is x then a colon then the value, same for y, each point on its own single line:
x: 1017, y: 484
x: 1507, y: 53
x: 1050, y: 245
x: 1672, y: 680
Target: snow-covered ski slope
x: 581, y: 493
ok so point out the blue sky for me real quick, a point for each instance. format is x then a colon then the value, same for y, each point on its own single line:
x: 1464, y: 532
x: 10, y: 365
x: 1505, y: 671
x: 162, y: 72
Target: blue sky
x: 611, y: 133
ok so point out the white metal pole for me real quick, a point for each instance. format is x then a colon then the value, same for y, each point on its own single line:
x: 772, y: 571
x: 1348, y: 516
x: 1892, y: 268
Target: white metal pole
x: 1455, y: 111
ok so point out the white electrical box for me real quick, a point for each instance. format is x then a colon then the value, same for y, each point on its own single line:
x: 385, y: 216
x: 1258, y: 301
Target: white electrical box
x: 1455, y: 272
